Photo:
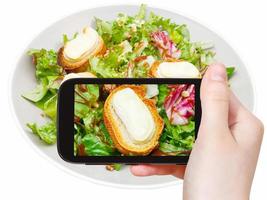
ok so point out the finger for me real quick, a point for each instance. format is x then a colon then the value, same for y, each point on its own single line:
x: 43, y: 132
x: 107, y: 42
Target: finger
x: 245, y: 127
x: 149, y: 170
x: 237, y: 112
x: 215, y: 98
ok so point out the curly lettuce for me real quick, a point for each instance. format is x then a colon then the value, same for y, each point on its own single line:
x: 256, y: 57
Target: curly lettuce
x: 137, y: 30
x: 177, y: 139
x: 163, y: 93
x: 45, y: 63
x: 46, y: 132
x: 49, y: 75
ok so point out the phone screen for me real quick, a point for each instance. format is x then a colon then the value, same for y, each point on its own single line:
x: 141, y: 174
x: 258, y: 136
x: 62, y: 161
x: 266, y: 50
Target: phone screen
x: 134, y: 119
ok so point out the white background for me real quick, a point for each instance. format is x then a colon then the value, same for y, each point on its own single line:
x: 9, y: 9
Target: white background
x: 25, y: 174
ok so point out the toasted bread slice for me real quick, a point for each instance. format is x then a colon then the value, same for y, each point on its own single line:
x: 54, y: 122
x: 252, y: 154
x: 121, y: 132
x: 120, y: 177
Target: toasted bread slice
x: 183, y: 69
x: 81, y: 64
x: 78, y: 75
x: 120, y: 134
x: 154, y: 68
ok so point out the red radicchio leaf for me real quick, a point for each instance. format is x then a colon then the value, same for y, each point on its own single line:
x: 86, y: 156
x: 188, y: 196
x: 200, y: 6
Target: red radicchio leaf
x: 165, y: 45
x: 180, y: 103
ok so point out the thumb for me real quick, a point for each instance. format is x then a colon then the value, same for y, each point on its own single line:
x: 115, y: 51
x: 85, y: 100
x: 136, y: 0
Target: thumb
x: 215, y: 98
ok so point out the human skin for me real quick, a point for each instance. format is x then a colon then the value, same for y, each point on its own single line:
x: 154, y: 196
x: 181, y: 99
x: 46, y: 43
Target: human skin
x: 224, y: 157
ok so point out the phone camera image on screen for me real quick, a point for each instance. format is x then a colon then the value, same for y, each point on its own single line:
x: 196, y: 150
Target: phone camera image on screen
x: 134, y: 119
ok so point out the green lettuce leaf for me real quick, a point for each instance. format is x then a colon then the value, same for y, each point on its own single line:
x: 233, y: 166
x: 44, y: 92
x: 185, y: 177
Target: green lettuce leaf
x: 176, y: 138
x: 50, y: 107
x: 169, y: 148
x: 44, y: 96
x: 80, y: 110
x: 40, y: 104
x: 86, y: 97
x: 117, y: 166
x: 104, y: 29
x: 194, y: 53
x: 93, y: 117
x: 86, y: 93
x: 163, y: 92
x: 46, y: 63
x: 95, y: 147
x: 142, y: 12
x: 66, y: 39
x: 46, y: 133
x: 140, y: 71
x: 106, y: 135
x: 54, y: 82
x: 114, y: 65
x: 230, y: 71
x: 38, y: 93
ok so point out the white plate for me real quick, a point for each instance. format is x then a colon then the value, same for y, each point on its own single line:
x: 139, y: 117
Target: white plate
x: 24, y: 80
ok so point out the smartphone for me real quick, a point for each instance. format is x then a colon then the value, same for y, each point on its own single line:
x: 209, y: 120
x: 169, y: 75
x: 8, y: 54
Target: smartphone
x: 131, y: 121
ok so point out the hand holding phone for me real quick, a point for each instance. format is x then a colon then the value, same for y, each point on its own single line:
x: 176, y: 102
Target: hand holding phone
x: 224, y: 157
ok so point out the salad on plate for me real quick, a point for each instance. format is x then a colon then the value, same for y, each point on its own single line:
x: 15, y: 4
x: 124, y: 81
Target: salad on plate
x: 140, y: 46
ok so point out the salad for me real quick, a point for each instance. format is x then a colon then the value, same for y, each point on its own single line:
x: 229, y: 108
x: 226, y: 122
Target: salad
x: 130, y: 47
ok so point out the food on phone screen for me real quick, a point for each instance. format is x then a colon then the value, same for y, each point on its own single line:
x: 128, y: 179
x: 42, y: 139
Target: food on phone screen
x: 132, y: 120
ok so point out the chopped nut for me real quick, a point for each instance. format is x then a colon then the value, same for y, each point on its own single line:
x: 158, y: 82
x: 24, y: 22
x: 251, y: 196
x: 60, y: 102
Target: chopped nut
x: 110, y: 167
x: 34, y: 60
x: 82, y: 87
x: 185, y: 94
x: 133, y: 28
x: 109, y: 87
x: 76, y: 119
x: 96, y: 105
x: 140, y: 58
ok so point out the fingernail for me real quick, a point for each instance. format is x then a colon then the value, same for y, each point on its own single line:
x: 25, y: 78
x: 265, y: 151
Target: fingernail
x: 218, y: 72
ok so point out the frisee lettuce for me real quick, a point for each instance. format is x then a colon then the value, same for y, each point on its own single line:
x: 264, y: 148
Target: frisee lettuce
x: 45, y: 63
x: 44, y: 96
x: 114, y: 65
x: 176, y: 139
